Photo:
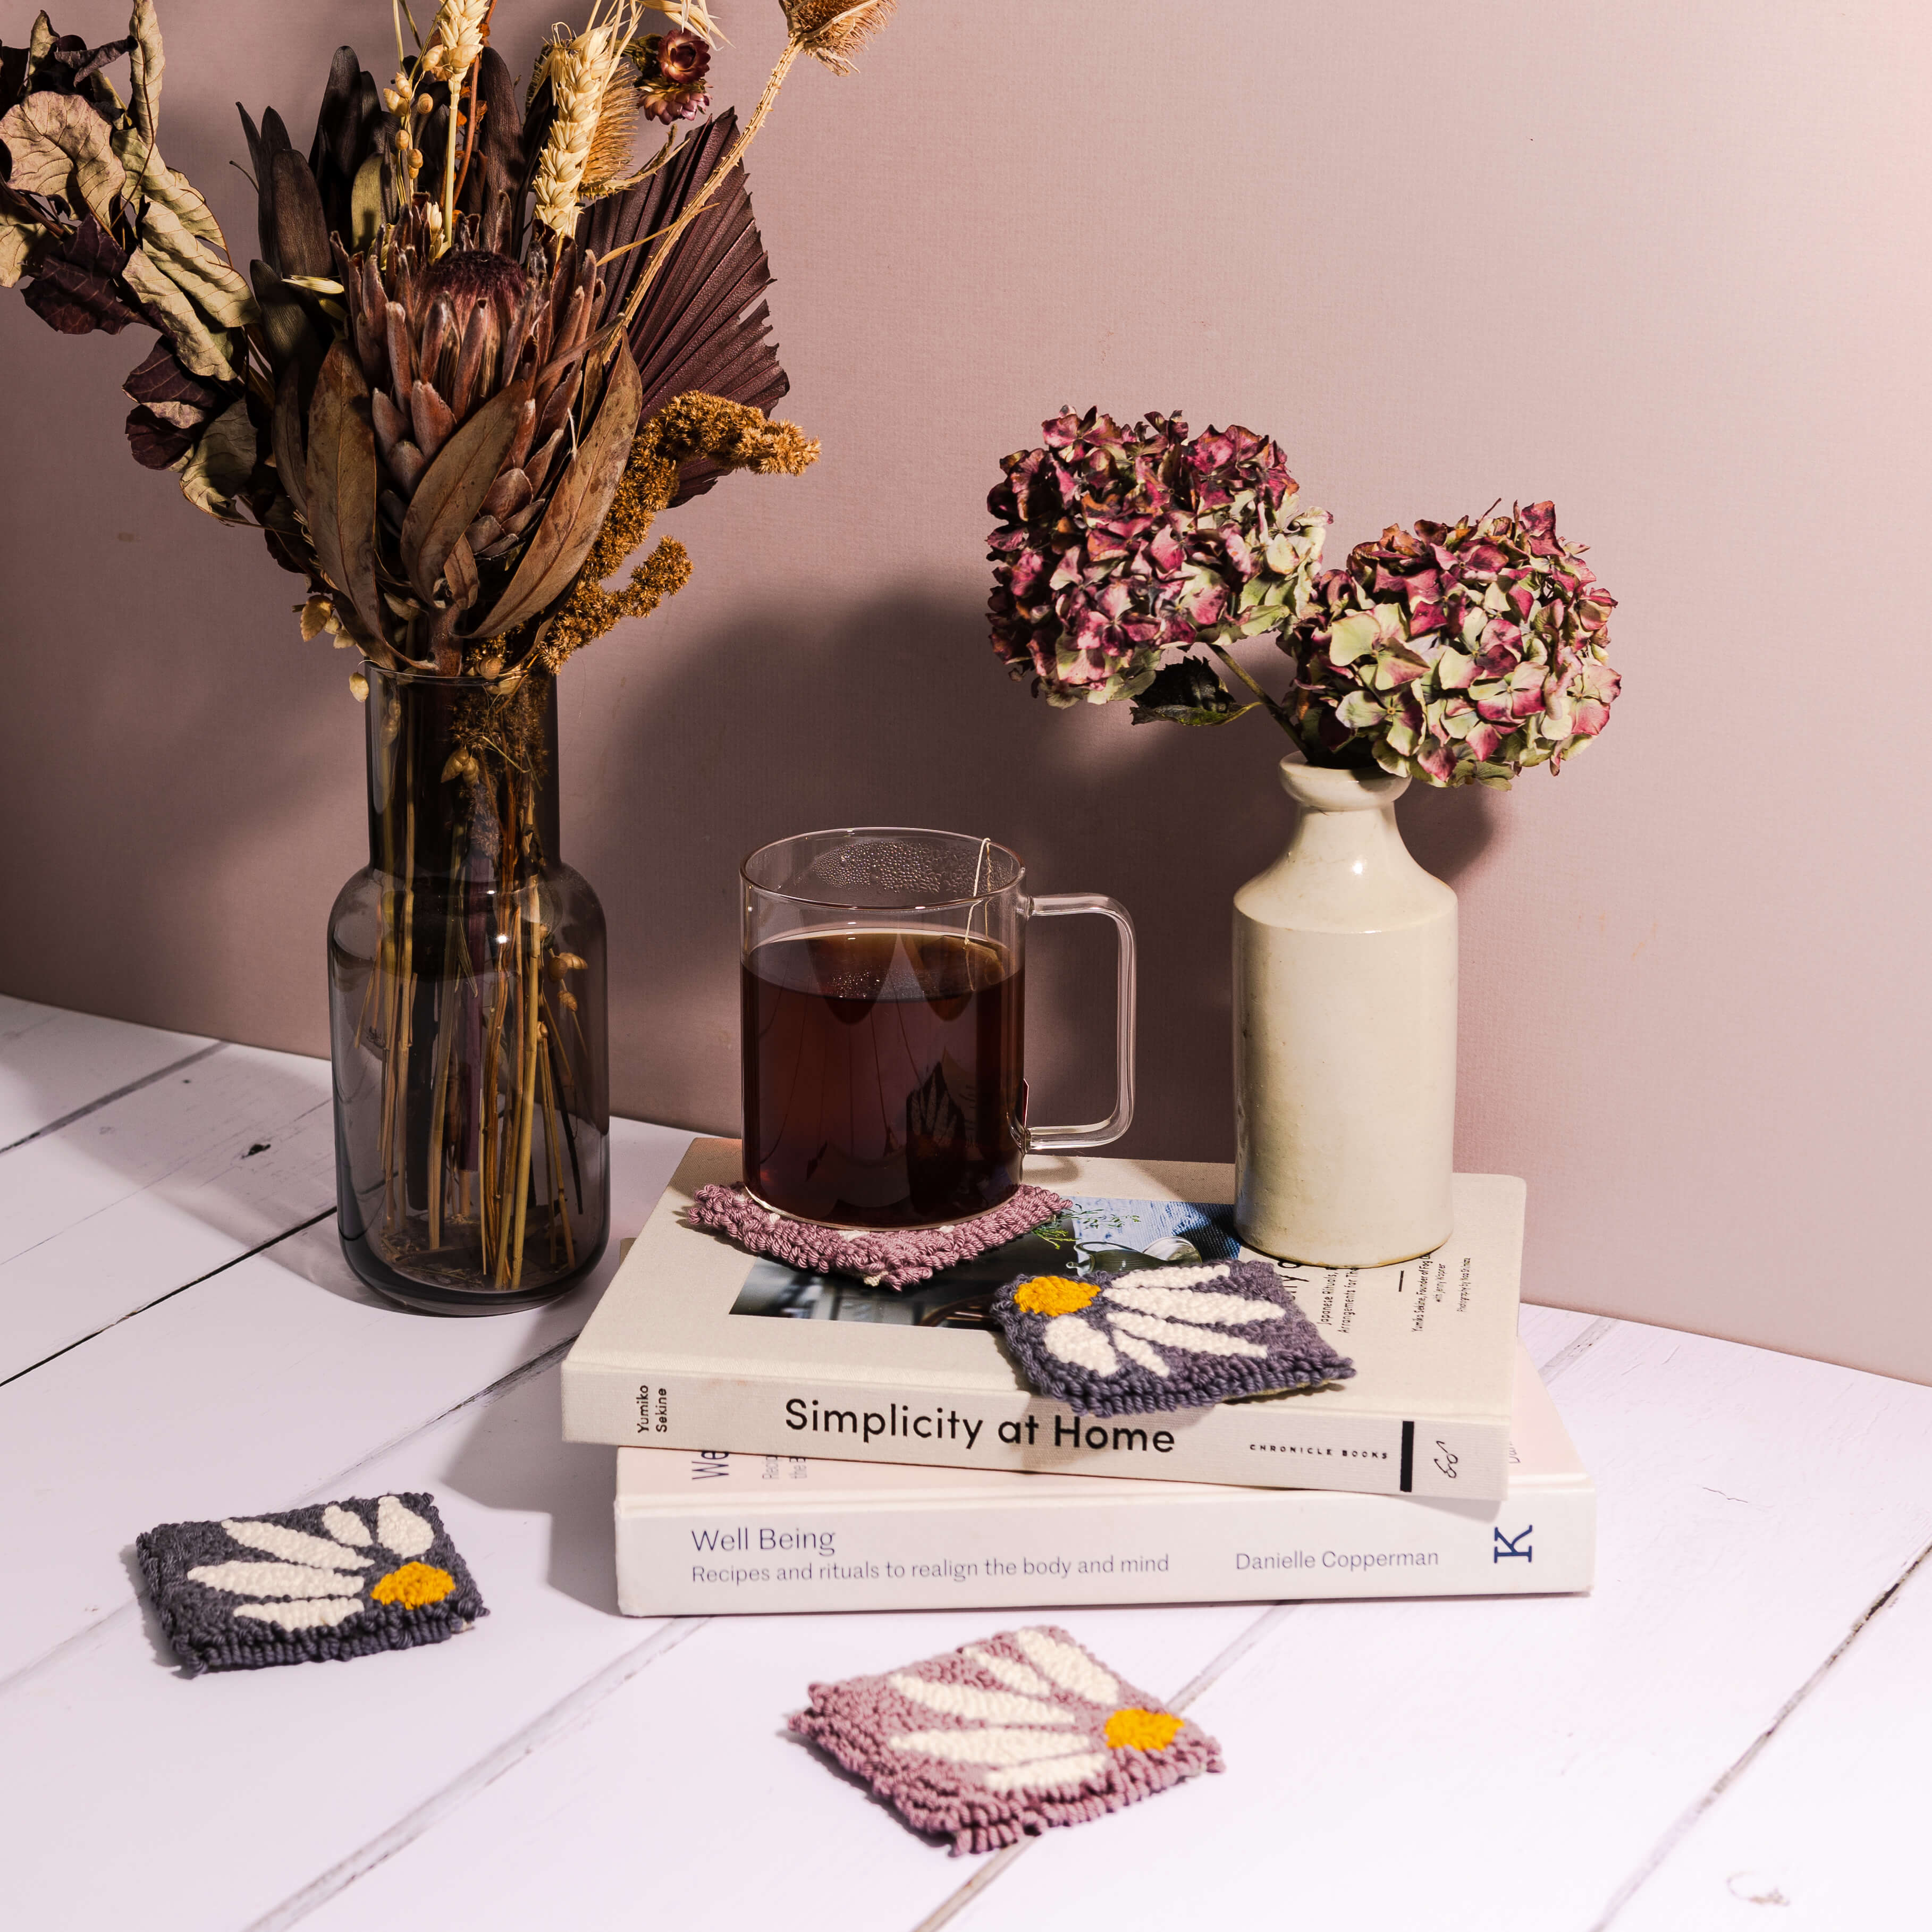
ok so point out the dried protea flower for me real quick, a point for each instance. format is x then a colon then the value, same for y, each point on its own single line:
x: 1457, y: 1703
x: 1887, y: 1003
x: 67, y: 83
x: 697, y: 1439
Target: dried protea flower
x: 671, y: 69
x: 580, y: 72
x: 1117, y: 545
x: 441, y: 340
x: 1456, y: 654
x: 833, y: 30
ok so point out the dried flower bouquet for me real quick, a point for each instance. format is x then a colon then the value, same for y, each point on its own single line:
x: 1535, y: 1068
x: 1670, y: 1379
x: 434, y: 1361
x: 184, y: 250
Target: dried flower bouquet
x: 1454, y: 653
x: 481, y: 349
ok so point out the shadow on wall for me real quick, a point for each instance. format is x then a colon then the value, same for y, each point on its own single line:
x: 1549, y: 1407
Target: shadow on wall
x: 895, y: 713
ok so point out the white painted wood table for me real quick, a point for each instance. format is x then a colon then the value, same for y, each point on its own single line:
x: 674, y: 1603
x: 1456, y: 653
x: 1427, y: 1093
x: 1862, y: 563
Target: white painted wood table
x: 1727, y: 1733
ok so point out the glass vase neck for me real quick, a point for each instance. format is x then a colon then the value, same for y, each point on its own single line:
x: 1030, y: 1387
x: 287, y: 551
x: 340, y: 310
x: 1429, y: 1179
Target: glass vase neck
x: 456, y: 766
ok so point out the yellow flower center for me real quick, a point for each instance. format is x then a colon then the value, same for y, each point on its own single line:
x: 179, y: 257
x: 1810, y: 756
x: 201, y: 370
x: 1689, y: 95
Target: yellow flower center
x: 413, y: 1585
x: 1133, y: 1730
x: 1053, y: 1294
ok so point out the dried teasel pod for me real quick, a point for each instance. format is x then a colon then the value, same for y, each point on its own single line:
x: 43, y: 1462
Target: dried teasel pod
x: 833, y: 30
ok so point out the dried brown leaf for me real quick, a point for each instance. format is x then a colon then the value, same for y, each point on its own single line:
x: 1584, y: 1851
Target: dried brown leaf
x: 61, y: 146
x: 340, y: 477
x: 285, y: 431
x: 453, y: 487
x: 302, y: 230
x: 576, y: 509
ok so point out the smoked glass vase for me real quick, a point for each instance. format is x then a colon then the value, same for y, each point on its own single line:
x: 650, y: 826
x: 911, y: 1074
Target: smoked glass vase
x: 466, y: 1009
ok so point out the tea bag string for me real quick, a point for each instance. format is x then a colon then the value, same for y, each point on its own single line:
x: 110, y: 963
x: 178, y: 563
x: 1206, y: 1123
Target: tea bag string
x: 979, y: 867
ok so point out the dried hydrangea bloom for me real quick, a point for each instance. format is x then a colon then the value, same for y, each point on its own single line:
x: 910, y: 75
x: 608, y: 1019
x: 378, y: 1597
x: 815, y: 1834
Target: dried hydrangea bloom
x: 1116, y: 546
x: 1455, y: 655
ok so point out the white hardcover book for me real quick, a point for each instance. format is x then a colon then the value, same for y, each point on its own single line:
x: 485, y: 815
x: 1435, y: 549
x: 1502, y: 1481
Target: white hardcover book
x: 706, y: 1533
x: 698, y: 1346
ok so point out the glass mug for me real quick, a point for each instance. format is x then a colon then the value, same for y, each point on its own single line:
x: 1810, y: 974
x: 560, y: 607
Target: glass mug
x: 883, y: 1003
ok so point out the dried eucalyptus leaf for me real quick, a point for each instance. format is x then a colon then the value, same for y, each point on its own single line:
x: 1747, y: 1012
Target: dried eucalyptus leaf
x: 210, y: 284
x: 453, y: 487
x: 200, y: 349
x: 162, y: 386
x: 341, y: 483
x: 145, y: 64
x: 61, y: 146
x: 218, y: 468
x: 158, y: 444
x: 18, y: 240
x: 80, y: 283
x: 183, y: 200
x: 577, y: 507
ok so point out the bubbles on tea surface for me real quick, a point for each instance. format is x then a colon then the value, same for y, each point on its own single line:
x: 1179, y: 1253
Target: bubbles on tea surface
x: 899, y: 872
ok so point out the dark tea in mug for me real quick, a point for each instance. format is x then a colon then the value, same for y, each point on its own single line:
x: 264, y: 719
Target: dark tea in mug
x: 882, y: 1074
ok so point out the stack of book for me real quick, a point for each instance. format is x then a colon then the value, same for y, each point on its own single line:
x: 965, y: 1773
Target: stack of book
x: 794, y: 1441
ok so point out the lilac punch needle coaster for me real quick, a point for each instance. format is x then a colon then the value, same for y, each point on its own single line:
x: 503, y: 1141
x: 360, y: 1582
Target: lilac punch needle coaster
x: 1167, y: 1338
x: 889, y: 1258
x: 1005, y: 1738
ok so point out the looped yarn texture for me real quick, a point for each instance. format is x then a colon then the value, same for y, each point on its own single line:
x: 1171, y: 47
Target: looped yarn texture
x: 1164, y: 1338
x: 1006, y: 1738
x: 891, y: 1258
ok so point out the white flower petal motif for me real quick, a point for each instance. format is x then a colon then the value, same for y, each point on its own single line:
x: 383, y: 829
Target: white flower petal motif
x: 327, y: 1612
x: 399, y: 1528
x: 345, y: 1525
x: 1181, y: 1277
x: 1014, y: 1675
x: 1072, y: 1669
x: 1139, y: 1351
x: 1191, y: 1304
x: 1174, y: 1335
x: 982, y: 1707
x: 987, y: 1746
x: 294, y: 1545
x: 275, y: 1580
x: 1057, y: 1774
x: 1075, y: 1340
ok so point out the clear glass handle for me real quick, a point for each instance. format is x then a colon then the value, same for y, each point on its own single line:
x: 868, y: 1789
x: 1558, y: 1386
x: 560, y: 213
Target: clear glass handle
x: 1096, y: 1133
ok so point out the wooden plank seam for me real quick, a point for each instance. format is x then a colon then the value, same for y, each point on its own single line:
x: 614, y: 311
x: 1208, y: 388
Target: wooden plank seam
x: 562, y: 1717
x: 119, y: 1093
x: 1696, y: 1813
x: 491, y: 1393
x: 235, y: 1260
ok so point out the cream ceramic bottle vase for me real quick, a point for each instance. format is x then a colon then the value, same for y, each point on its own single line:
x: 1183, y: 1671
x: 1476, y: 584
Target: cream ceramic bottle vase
x: 1345, y: 1034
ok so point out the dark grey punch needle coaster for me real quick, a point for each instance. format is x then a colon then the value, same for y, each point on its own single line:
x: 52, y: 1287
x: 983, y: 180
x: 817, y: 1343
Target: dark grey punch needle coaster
x: 1164, y: 1338
x: 332, y: 1580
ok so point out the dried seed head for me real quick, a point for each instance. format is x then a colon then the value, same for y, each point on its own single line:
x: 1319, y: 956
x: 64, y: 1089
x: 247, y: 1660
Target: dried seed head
x: 580, y: 72
x: 358, y: 685
x: 609, y: 157
x: 833, y: 30
x: 456, y: 41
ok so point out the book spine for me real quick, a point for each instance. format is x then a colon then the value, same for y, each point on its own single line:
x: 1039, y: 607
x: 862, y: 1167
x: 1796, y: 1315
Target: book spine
x: 756, y: 1557
x: 1283, y: 1443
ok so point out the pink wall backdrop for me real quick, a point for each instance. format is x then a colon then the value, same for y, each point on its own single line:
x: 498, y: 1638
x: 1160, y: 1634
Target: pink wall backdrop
x: 1666, y: 264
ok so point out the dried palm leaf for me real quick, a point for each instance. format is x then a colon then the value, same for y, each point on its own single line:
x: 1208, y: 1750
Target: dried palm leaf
x: 702, y: 325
